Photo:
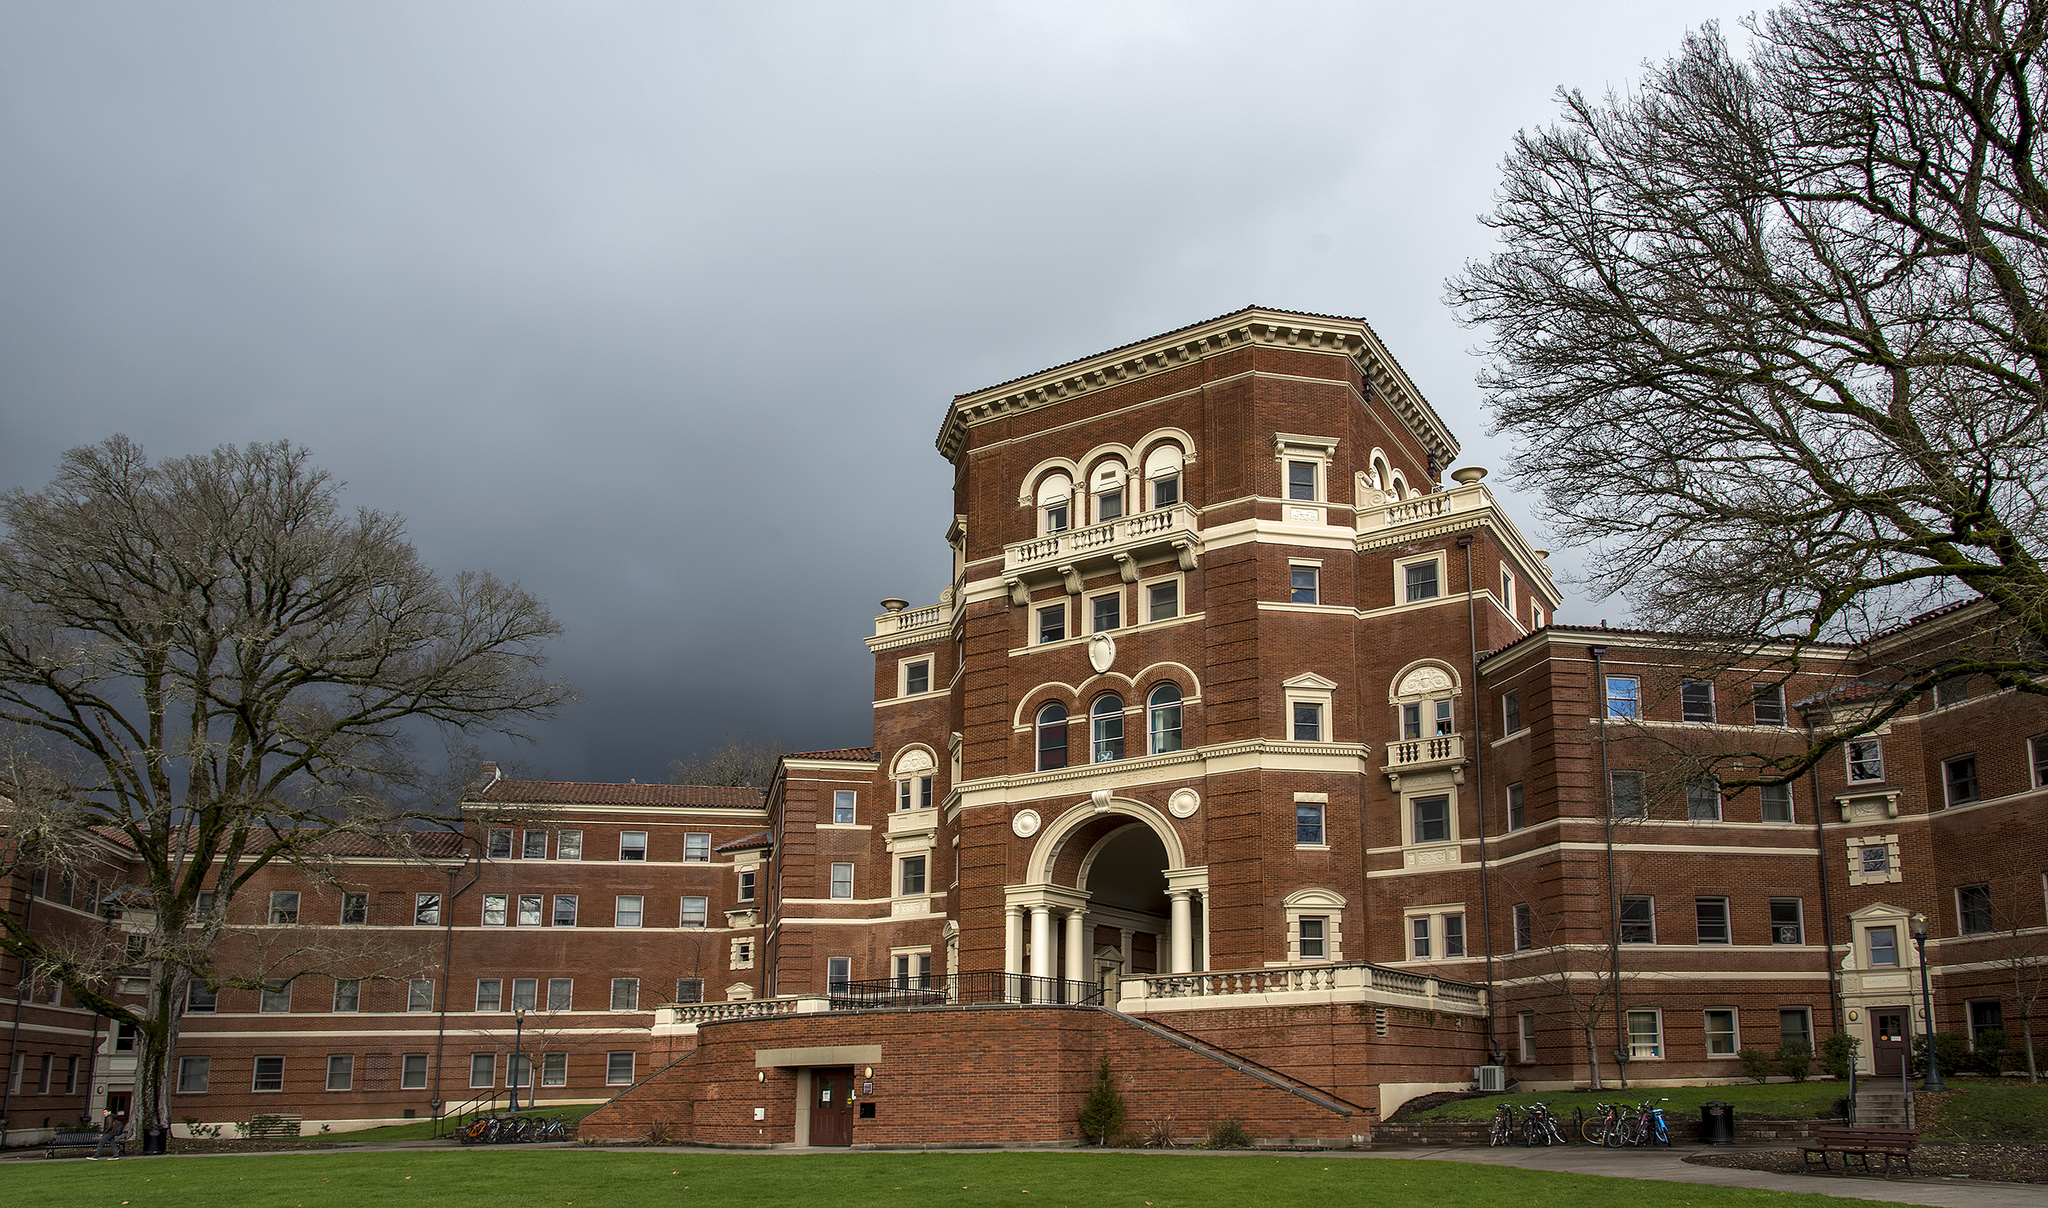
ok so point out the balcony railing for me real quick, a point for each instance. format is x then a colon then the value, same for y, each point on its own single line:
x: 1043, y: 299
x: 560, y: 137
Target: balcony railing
x: 1156, y: 527
x: 1352, y: 980
x: 963, y: 989
x: 1411, y: 754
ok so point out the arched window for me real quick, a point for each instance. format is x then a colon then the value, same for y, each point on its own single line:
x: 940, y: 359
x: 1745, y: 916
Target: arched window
x: 1055, y: 504
x: 1106, y: 489
x: 1162, y: 719
x: 1052, y: 737
x: 1106, y: 727
x: 1162, y: 475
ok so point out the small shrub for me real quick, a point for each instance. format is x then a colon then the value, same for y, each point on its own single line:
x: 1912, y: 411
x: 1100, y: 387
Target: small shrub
x: 193, y: 1128
x: 1158, y: 1135
x: 658, y: 1133
x: 1838, y: 1054
x: 1951, y: 1047
x: 1756, y: 1064
x: 1229, y: 1134
x: 1988, y: 1054
x: 1102, y: 1114
x: 1794, y: 1059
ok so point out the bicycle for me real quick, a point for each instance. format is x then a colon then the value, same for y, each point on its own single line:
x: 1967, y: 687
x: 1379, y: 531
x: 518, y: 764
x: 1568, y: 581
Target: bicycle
x: 1503, y: 1125
x: 1540, y: 1127
x: 1651, y: 1128
x: 1606, y: 1127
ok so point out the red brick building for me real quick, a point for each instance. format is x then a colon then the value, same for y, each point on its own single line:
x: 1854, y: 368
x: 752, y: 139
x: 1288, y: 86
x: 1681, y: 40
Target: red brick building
x: 1234, y: 719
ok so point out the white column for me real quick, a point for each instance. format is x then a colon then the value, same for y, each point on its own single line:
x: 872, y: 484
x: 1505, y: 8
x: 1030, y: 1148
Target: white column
x: 1124, y: 945
x: 1077, y: 945
x: 1013, y: 939
x: 1183, y: 932
x: 1041, y: 940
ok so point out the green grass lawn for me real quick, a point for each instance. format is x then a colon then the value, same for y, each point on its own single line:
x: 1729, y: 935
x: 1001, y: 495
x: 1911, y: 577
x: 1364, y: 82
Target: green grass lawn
x: 596, y: 1178
x: 1769, y: 1101
x: 420, y: 1130
x: 2001, y: 1111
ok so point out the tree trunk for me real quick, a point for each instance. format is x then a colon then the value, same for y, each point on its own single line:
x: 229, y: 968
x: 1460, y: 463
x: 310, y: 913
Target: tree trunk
x: 1593, y: 1061
x: 2027, y: 1031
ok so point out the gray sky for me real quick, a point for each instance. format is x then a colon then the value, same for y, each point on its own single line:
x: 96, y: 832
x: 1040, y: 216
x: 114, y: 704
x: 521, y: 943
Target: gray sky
x: 656, y: 307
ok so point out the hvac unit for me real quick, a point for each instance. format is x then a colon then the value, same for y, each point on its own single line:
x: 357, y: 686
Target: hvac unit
x: 1491, y: 1078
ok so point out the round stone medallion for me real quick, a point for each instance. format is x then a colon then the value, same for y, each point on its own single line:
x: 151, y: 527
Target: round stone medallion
x: 1025, y: 824
x: 1183, y: 803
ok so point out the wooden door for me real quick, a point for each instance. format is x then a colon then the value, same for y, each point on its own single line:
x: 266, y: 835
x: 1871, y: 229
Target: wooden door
x: 832, y: 1106
x: 1887, y: 1040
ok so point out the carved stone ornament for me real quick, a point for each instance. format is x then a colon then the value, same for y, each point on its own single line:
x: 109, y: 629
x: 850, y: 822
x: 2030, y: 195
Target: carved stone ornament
x: 1183, y: 803
x: 914, y: 760
x: 1025, y: 824
x: 1424, y: 680
x: 1101, y: 651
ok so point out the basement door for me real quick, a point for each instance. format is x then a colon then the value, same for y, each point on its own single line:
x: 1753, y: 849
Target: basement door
x: 832, y: 1106
x: 1887, y: 1040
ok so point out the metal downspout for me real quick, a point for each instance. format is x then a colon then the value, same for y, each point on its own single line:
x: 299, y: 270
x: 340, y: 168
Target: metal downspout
x: 1493, y: 1048
x: 1827, y: 904
x: 1599, y: 654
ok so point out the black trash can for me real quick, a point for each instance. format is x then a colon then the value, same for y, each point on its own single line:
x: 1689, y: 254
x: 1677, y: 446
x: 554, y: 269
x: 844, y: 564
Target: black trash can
x: 1717, y: 1123
x: 153, y: 1140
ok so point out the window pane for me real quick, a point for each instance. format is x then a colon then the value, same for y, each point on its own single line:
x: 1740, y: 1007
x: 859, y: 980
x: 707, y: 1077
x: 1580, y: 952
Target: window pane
x: 284, y: 908
x: 525, y: 993
x: 269, y: 1074
x: 625, y: 993
x: 1163, y: 719
x: 1308, y: 824
x: 1959, y: 777
x: 348, y: 994
x: 1105, y: 613
x: 838, y: 972
x: 419, y: 995
x: 426, y: 910
x: 1301, y: 480
x: 1884, y: 946
x: 193, y: 1074
x: 1052, y: 737
x: 1511, y: 711
x: 1162, y: 601
x: 1419, y: 580
x: 1712, y: 918
x: 695, y: 911
x: 498, y: 845
x: 696, y: 848
x: 554, y: 1069
x: 1623, y: 696
x: 1866, y: 760
x: 1644, y: 1036
x: 276, y: 999
x: 1165, y: 491
x: 1974, y: 902
x: 1312, y: 938
x: 565, y: 910
x: 626, y: 910
x: 529, y: 910
x: 1525, y: 927
x: 913, y: 875
x: 917, y: 678
x: 355, y: 909
x: 842, y: 806
x: 1454, y: 935
x: 1703, y: 801
x: 842, y: 880
x: 490, y: 994
x: 1720, y: 1033
x: 1768, y: 704
x: 618, y: 1069
x: 1432, y: 819
x: 1106, y: 722
x: 412, y: 1075
x: 1776, y: 802
x: 689, y: 989
x: 341, y: 1072
x: 1625, y: 793
x: 1638, y: 921
x: 1308, y: 723
x: 494, y: 910
x: 1786, y: 926
x: 1696, y: 701
x: 1302, y: 584
x: 1418, y: 930
x: 1052, y: 623
x: 1517, y: 818
x: 569, y: 845
x: 534, y: 845
x: 483, y: 1069
x: 561, y: 993
x: 1795, y: 1024
x: 633, y: 845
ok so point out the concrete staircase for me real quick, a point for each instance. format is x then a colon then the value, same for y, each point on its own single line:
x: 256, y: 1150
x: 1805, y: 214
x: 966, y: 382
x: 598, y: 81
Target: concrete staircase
x: 1883, y: 1104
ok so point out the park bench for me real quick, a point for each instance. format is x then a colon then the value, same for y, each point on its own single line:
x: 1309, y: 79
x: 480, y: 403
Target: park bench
x: 75, y: 1138
x: 1860, y: 1143
x: 274, y: 1124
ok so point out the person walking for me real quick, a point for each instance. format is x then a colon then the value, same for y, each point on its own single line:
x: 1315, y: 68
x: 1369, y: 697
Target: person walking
x: 112, y: 1125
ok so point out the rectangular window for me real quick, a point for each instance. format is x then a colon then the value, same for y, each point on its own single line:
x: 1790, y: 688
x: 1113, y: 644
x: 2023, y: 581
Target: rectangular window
x: 1166, y: 491
x: 269, y: 1074
x: 1959, y: 778
x: 198, y: 999
x: 1454, y: 935
x: 917, y: 677
x: 1313, y: 938
x: 696, y: 911
x: 1419, y: 582
x: 914, y: 971
x: 1973, y: 909
x: 1638, y: 920
x: 1795, y: 1024
x: 1525, y: 927
x: 1876, y: 860
x: 490, y: 994
x: 426, y: 910
x: 1696, y: 701
x: 2037, y: 759
x: 1432, y: 818
x: 1884, y: 946
x: 565, y: 910
x: 525, y: 993
x: 569, y: 845
x: 1711, y: 916
x: 625, y: 994
x: 1511, y: 712
x: 633, y: 845
x: 412, y: 1072
x: 1418, y: 933
x: 1787, y: 925
x: 529, y: 910
x: 1986, y: 1015
x: 1162, y: 601
x: 1109, y: 505
x: 838, y: 974
x: 1645, y: 1035
x: 1703, y: 800
x: 1301, y: 480
x: 275, y: 999
x: 1866, y: 759
x: 561, y: 994
x: 1517, y: 816
x: 1052, y: 623
x: 554, y: 1069
x: 348, y: 994
x: 533, y: 845
x: 1304, y: 584
x: 626, y: 909
x: 483, y: 1069
x: 341, y: 1072
x: 494, y: 910
x: 1776, y: 800
x: 842, y: 880
x: 193, y: 1074
x: 689, y: 989
x: 696, y: 847
x: 618, y: 1069
x: 1308, y: 824
x: 355, y: 909
x: 1721, y: 1040
x: 1056, y: 517
x: 1625, y: 795
x: 1528, y: 1034
x: 913, y: 875
x: 746, y: 890
x: 1767, y: 704
x: 419, y: 994
x: 1624, y: 697
x: 498, y: 844
x: 1105, y: 612
x: 1952, y: 691
x: 1308, y: 722
x: 842, y: 807
x: 284, y: 908
x: 519, y: 1070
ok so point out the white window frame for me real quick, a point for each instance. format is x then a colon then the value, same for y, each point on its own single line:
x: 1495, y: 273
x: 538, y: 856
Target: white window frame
x: 1324, y: 904
x: 1867, y: 953
x: 194, y: 1070
x: 412, y: 1071
x: 1850, y: 760
x: 1401, y: 565
x: 1307, y: 689
x: 931, y: 679
x: 569, y: 845
x: 498, y: 843
x: 522, y: 916
x: 256, y: 1079
x: 555, y: 910
x: 1180, y: 707
x: 1713, y: 705
x: 1892, y: 872
x: 1109, y: 476
x: 1962, y: 926
x: 1408, y: 799
x: 838, y: 972
x: 1525, y: 1036
x: 849, y: 798
x: 284, y: 908
x: 742, y: 956
x: 1800, y: 905
x: 348, y: 995
x: 419, y: 994
x: 1178, y: 582
x: 530, y: 839
x: 1693, y: 799
x: 1633, y: 703
x: 1517, y: 806
x: 621, y: 912
x: 487, y: 1081
x: 493, y: 910
x: 1657, y: 1045
x: 1791, y: 805
x: 490, y: 995
x: 1507, y: 590
x: 2037, y: 761
x: 842, y: 877
x: 1314, y: 568
x: 566, y: 999
x: 1429, y: 924
x: 1947, y: 786
x: 703, y: 912
x: 1511, y: 721
x: 1619, y: 919
x: 554, y: 1069
x: 626, y: 847
x: 696, y: 847
x: 1047, y: 497
x: 1088, y: 610
x: 1734, y: 1033
x: 902, y: 873
x: 1319, y: 452
x: 612, y: 1074
x: 1758, y: 694
x: 1727, y: 921
x: 1038, y: 614
x: 627, y: 988
x: 1522, y: 927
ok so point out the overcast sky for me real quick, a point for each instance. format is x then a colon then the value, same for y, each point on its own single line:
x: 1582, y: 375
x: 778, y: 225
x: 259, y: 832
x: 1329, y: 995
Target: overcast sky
x: 656, y: 307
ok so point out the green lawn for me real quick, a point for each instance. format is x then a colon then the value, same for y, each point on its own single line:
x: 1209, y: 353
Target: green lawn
x: 597, y: 1178
x: 420, y: 1130
x: 1998, y: 1112
x: 1769, y: 1101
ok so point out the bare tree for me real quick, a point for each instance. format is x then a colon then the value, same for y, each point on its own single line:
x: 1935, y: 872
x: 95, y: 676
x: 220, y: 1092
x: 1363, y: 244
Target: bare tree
x: 736, y: 763
x: 208, y: 662
x: 1772, y: 336
x: 2023, y: 956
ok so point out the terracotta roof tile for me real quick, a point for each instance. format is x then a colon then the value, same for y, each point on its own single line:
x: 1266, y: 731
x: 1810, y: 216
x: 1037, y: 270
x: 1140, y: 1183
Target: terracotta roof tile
x: 853, y: 754
x: 758, y: 839
x: 577, y: 792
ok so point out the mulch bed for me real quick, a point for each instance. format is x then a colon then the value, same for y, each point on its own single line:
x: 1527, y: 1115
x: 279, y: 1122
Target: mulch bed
x: 1994, y: 1163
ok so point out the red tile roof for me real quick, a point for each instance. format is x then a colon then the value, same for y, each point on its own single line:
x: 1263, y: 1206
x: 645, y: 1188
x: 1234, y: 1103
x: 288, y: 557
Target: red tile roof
x: 431, y: 844
x: 853, y: 754
x: 576, y: 792
x: 756, y: 840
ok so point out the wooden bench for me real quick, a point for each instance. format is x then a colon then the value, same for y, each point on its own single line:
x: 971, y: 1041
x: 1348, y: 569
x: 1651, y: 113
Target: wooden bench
x: 274, y: 1125
x: 1860, y: 1143
x: 76, y: 1138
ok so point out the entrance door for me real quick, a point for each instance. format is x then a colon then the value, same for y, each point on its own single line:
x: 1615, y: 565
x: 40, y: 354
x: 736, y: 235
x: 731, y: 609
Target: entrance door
x: 1887, y: 1040
x: 832, y: 1106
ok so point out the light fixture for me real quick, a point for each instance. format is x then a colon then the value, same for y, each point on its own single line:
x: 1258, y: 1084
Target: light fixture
x: 867, y: 1071
x: 760, y: 1075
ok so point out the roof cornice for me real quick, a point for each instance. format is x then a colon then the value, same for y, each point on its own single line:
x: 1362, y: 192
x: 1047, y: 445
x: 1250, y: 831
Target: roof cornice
x: 1253, y: 326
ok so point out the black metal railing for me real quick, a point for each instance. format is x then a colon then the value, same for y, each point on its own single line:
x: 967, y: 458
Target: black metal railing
x: 962, y: 989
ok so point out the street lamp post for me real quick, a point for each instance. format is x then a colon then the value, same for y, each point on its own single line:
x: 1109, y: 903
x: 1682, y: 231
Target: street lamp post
x: 1933, y: 1081
x: 518, y: 1024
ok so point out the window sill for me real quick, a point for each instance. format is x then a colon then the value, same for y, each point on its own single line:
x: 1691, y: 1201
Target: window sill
x: 1311, y: 847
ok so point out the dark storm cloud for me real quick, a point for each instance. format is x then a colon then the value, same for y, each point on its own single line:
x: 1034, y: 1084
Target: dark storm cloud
x: 656, y: 308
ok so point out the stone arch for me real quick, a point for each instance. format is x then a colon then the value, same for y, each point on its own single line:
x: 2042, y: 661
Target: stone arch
x: 1027, y: 493
x: 1052, y: 841
x: 1424, y: 678
x: 912, y: 760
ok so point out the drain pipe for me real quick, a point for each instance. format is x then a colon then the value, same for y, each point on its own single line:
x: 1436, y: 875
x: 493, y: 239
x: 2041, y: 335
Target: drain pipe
x: 1827, y: 905
x: 1599, y: 654
x: 1493, y: 1047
